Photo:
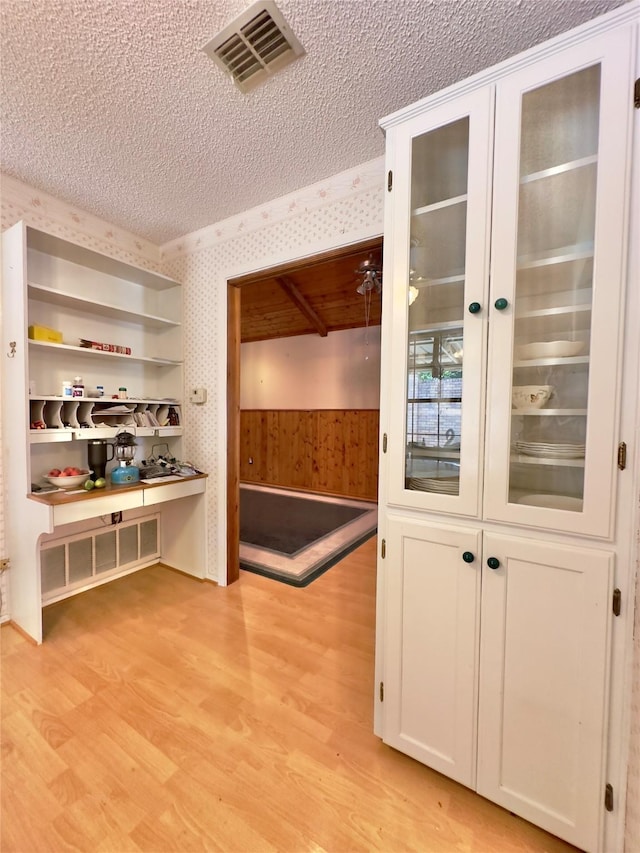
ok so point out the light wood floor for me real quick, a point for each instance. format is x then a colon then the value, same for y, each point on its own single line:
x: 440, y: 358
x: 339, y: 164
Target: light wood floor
x: 165, y: 714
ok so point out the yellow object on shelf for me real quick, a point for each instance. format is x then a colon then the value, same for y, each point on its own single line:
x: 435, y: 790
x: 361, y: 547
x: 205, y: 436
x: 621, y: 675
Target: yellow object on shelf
x: 43, y: 333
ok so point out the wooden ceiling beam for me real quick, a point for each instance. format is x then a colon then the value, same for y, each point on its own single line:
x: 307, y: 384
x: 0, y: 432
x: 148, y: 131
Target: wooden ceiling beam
x: 302, y: 305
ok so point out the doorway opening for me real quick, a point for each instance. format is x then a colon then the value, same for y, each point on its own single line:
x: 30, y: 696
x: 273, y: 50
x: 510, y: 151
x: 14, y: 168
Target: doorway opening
x: 326, y: 280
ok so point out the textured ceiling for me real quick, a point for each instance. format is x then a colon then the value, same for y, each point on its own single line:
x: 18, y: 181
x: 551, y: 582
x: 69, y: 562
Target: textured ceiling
x: 112, y: 106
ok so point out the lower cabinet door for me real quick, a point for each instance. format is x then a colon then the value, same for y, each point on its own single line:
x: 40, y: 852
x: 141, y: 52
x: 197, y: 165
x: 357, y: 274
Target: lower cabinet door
x: 432, y: 586
x: 544, y: 653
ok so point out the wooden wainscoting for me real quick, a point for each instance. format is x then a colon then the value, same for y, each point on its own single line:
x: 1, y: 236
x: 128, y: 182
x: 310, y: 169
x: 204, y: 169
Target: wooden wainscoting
x: 321, y: 450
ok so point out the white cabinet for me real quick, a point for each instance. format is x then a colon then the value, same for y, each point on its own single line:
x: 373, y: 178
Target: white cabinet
x: 119, y: 328
x: 431, y: 644
x: 544, y: 663
x: 539, y: 278
x: 558, y: 258
x: 524, y: 696
x: 505, y: 265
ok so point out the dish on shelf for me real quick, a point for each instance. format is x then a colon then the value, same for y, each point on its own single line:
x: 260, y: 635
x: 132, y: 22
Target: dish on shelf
x: 550, y: 349
x: 531, y: 396
x: 546, y: 451
x: 439, y: 485
x: 553, y: 502
x: 426, y: 450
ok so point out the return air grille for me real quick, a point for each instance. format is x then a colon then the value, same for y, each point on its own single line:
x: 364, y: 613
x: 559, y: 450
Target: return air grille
x: 255, y: 46
x: 77, y: 562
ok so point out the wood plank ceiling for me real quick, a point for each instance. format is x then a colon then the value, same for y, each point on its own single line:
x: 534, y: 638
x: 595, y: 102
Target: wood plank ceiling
x: 314, y: 296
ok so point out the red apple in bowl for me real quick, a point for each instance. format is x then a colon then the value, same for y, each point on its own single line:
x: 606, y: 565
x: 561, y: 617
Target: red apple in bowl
x: 69, y: 478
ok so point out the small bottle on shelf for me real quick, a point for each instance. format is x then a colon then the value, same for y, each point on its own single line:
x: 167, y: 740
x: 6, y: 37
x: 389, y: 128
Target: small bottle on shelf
x: 67, y: 389
x: 122, y: 393
x: 78, y: 387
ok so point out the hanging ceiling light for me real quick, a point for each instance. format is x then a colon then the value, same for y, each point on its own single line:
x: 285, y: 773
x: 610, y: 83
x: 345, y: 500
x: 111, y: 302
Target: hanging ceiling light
x: 371, y: 283
x: 371, y: 273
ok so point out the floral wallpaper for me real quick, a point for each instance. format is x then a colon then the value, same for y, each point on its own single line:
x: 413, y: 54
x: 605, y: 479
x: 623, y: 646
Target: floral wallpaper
x: 18, y: 201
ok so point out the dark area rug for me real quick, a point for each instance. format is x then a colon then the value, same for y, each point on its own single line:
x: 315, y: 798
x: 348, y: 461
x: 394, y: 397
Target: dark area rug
x: 294, y: 538
x: 288, y: 524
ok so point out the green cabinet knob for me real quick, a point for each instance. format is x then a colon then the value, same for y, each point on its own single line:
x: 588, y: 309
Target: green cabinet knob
x: 501, y: 304
x: 474, y: 307
x: 493, y: 563
x: 468, y: 557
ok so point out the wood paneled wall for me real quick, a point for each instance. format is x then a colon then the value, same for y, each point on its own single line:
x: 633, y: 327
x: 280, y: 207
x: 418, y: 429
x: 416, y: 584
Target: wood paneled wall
x: 321, y: 450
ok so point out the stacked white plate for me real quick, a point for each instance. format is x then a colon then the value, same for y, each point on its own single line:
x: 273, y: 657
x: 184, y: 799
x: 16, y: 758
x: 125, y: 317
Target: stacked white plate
x: 448, y: 486
x: 550, y: 349
x: 555, y: 451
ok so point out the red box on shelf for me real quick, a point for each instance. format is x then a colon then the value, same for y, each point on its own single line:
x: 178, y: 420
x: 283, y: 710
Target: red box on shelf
x: 105, y: 347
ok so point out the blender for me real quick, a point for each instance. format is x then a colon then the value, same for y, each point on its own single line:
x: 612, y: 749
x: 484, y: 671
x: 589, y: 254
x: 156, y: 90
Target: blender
x: 124, y: 451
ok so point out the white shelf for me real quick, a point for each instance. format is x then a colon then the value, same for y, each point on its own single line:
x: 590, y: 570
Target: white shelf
x: 422, y: 283
x: 449, y: 326
x: 47, y: 436
x: 160, y: 362
x: 564, y: 310
x: 112, y: 401
x: 60, y: 248
x: 571, y: 166
x: 578, y: 252
x: 549, y: 362
x: 521, y: 459
x: 550, y: 412
x: 440, y: 205
x: 102, y: 309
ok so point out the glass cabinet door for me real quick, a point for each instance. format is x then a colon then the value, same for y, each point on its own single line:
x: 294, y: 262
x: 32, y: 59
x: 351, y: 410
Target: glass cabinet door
x: 439, y: 280
x: 555, y: 302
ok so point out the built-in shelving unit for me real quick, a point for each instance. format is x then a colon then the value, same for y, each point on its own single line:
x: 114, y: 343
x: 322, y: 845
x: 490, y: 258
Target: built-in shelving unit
x: 117, y: 336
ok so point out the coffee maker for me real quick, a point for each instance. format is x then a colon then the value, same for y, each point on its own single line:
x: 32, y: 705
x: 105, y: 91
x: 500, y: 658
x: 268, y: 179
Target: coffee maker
x: 98, y: 456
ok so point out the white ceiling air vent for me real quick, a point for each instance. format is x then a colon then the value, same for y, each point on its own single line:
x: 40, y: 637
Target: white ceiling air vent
x: 255, y: 46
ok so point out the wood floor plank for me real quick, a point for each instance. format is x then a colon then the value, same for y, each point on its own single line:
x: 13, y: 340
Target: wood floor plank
x: 167, y: 714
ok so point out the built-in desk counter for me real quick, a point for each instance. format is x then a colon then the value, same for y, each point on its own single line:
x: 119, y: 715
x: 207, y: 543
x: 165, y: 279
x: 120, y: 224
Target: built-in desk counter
x: 79, y: 504
x: 60, y: 519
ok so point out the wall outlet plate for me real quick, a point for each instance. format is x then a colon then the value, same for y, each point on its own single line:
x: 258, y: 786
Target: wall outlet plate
x: 199, y: 395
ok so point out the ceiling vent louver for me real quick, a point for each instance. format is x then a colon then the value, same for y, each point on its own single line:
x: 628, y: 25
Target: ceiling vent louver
x: 255, y: 46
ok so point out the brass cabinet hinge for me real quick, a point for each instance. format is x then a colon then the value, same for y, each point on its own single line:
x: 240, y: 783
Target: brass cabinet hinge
x: 382, y: 691
x: 383, y: 549
x: 636, y: 94
x: 608, y: 797
x: 622, y: 455
x: 389, y: 181
x: 617, y: 602
x: 384, y: 443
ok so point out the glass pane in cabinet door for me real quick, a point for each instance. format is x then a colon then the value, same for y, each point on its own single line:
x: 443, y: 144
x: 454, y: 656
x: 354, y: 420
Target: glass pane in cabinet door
x: 436, y: 305
x: 553, y: 294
